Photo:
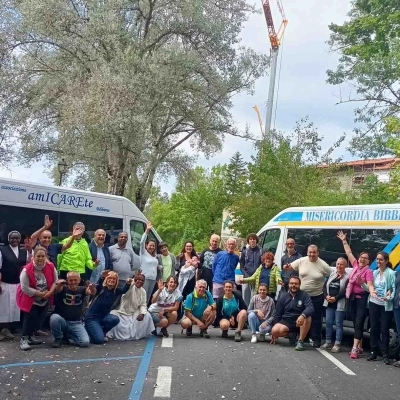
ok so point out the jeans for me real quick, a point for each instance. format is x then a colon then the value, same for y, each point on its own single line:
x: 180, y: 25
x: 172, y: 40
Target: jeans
x: 207, y: 275
x: 74, y: 330
x: 333, y: 316
x: 316, y: 321
x: 31, y: 319
x: 98, y: 328
x: 247, y: 292
x: 379, y: 319
x: 396, y: 312
x: 148, y: 286
x: 255, y: 322
x: 359, y: 314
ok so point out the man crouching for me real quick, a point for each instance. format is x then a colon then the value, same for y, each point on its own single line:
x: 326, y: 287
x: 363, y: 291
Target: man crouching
x: 293, y: 313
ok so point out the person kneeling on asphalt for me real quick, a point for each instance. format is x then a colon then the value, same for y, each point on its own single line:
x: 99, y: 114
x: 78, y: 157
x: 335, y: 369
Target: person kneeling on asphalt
x: 199, y: 310
x: 231, y: 312
x: 98, y: 320
x: 293, y: 313
x: 66, y: 322
x: 260, y: 314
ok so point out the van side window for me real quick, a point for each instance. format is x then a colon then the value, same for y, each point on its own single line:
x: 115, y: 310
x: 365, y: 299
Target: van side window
x: 330, y: 247
x: 270, y: 240
x: 370, y: 240
x: 137, y: 229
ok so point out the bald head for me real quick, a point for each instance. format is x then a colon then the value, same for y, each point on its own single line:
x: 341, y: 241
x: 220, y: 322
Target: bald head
x: 214, y: 242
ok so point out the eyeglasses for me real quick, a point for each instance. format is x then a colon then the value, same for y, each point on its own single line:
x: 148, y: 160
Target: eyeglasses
x: 363, y: 258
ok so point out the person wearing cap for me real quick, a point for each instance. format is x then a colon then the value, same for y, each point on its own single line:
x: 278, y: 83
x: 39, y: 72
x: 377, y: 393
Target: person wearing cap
x: 125, y: 261
x: 166, y: 263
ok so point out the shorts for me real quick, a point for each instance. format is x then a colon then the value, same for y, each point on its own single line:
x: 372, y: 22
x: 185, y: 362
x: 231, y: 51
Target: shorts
x: 156, y: 318
x: 290, y: 324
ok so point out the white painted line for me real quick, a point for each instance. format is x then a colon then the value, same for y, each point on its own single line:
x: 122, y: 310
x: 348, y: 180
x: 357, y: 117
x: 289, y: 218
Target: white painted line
x: 163, y: 384
x: 330, y: 357
x: 168, y: 341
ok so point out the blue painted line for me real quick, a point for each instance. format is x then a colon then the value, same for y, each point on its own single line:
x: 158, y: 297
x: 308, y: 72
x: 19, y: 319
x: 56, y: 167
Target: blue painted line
x: 137, y: 387
x: 32, y: 364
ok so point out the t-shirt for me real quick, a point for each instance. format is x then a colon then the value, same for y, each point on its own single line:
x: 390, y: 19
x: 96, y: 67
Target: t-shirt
x: 197, y: 305
x: 167, y: 266
x: 229, y: 307
x: 312, y: 275
x: 265, y: 275
x: 165, y: 300
x: 69, y: 303
x: 379, y: 286
x: 366, y: 274
x: 334, y: 289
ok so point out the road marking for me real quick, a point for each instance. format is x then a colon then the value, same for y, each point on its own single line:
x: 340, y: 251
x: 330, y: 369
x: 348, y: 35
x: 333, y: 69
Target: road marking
x: 168, y: 341
x: 137, y: 387
x: 336, y: 362
x: 83, y: 360
x: 163, y: 384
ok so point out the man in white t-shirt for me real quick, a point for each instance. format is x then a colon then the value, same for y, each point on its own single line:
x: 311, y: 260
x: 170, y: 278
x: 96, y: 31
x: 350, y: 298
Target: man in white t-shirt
x: 313, y: 271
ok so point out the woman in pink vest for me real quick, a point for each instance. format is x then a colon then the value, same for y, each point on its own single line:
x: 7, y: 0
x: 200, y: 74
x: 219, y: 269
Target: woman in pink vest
x: 35, y: 294
x: 356, y: 295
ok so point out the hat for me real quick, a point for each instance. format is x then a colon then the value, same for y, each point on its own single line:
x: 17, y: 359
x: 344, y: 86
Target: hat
x: 161, y: 244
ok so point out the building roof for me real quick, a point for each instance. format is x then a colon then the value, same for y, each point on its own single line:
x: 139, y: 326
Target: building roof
x: 375, y: 163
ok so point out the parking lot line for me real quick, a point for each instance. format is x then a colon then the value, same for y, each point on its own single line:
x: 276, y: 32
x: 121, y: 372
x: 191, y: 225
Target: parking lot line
x: 341, y: 366
x: 168, y: 341
x: 83, y: 360
x: 137, y: 387
x: 163, y: 384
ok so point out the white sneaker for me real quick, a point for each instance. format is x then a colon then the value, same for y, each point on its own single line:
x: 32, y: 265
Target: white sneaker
x: 24, y: 344
x: 254, y: 338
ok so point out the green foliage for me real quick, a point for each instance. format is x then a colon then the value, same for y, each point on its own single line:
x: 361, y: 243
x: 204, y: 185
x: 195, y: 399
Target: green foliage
x: 369, y: 44
x: 115, y: 87
x: 236, y: 176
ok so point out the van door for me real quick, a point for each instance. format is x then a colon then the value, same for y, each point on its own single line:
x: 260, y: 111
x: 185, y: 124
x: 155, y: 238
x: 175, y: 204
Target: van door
x: 272, y: 240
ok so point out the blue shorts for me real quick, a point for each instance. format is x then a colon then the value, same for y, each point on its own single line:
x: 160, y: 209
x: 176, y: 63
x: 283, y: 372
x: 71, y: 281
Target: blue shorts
x: 156, y: 318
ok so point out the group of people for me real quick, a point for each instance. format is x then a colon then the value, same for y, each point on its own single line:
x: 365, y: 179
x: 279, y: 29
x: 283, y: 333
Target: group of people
x: 97, y: 293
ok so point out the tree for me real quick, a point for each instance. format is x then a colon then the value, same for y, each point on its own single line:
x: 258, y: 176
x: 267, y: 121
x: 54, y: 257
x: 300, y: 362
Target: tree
x: 115, y: 87
x: 369, y: 44
x: 236, y: 176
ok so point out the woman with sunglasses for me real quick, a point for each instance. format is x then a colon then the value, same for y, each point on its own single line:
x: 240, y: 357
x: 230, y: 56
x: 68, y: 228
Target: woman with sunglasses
x: 357, y: 297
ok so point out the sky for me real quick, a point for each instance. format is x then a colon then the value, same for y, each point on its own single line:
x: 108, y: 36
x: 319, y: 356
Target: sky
x: 302, y: 85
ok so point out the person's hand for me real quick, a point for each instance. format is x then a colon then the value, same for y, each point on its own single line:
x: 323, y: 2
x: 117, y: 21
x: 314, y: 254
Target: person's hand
x: 77, y: 232
x: 260, y: 314
x: 129, y: 281
x: 148, y: 227
x: 47, y: 222
x: 105, y: 273
x: 281, y: 283
x: 160, y: 284
x: 332, y: 299
x: 287, y: 266
x: 241, y: 281
x: 60, y: 282
x: 232, y: 321
x: 96, y: 262
x: 91, y: 287
x: 300, y: 321
x: 28, y: 245
x: 140, y: 317
x: 201, y: 325
x: 387, y: 295
x: 161, y: 314
x: 342, y: 236
x: 263, y: 325
x: 207, y: 311
x: 48, y: 294
x: 327, y: 298
x: 373, y: 293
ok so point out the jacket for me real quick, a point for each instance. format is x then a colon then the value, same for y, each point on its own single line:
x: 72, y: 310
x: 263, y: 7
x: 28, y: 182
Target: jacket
x: 224, y: 266
x: 390, y: 277
x: 250, y: 259
x: 160, y: 265
x: 107, y: 257
x: 77, y: 258
x: 25, y: 302
x: 274, y: 279
x: 341, y: 297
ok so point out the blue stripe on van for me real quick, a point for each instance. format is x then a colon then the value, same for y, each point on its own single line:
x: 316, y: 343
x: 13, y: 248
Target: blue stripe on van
x: 290, y: 216
x: 389, y: 248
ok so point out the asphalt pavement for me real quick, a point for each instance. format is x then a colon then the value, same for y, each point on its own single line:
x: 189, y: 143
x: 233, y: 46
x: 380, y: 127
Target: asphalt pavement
x: 186, y: 368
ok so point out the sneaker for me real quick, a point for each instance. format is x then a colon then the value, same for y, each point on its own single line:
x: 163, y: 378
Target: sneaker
x: 372, y: 357
x: 65, y: 341
x: 106, y: 339
x: 33, y: 341
x: 396, y: 364
x: 189, y: 331
x: 261, y: 337
x: 326, y: 346
x: 7, y: 334
x: 253, y: 338
x: 299, y: 346
x: 224, y: 334
x: 204, y: 333
x: 154, y: 333
x: 57, y: 343
x: 360, y: 350
x: 164, y: 332
x: 238, y: 336
x: 292, y: 336
x: 354, y: 353
x: 386, y: 360
x: 316, y: 345
x: 24, y: 344
x: 41, y: 333
x: 336, y: 348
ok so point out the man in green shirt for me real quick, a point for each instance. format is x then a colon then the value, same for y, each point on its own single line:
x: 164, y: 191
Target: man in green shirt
x: 77, y: 256
x: 166, y: 263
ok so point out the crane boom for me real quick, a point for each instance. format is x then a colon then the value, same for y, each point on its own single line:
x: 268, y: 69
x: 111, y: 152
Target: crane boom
x: 275, y: 39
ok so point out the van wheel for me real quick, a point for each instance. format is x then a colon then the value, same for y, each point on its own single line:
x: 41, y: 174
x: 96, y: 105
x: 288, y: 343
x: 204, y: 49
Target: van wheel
x: 394, y: 345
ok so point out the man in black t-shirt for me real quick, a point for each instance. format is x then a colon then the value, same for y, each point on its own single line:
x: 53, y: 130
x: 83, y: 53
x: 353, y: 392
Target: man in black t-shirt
x: 66, y: 322
x: 293, y: 312
x: 206, y: 261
